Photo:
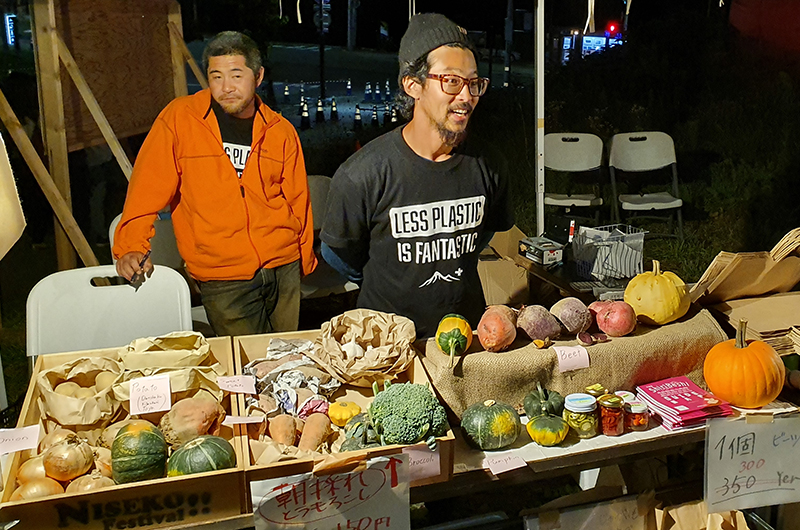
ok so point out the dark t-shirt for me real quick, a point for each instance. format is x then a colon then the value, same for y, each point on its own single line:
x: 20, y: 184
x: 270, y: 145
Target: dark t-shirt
x: 237, y: 135
x: 419, y: 222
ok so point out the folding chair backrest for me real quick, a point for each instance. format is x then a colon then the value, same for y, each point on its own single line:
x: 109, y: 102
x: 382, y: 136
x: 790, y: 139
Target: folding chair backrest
x: 318, y: 186
x: 572, y: 151
x: 65, y: 312
x: 641, y: 151
x: 163, y: 244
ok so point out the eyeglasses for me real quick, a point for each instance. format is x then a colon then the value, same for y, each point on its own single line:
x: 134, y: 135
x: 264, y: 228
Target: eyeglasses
x: 452, y: 84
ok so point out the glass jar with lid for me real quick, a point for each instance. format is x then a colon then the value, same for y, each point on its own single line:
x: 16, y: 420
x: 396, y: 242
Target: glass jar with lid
x: 625, y: 395
x: 612, y: 414
x: 580, y: 413
x: 637, y: 416
x: 596, y: 390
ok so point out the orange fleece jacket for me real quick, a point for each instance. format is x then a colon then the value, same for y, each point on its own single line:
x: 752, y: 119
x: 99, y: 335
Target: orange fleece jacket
x: 223, y: 232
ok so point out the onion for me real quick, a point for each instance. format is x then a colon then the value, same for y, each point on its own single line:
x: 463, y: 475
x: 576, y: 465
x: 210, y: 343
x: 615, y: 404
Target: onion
x: 54, y: 437
x: 102, y: 460
x: 33, y: 468
x: 36, y: 489
x: 68, y: 459
x: 93, y: 481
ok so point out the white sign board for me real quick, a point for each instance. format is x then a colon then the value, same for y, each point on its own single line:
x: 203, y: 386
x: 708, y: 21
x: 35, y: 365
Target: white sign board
x: 150, y: 394
x: 374, y: 498
x: 752, y: 464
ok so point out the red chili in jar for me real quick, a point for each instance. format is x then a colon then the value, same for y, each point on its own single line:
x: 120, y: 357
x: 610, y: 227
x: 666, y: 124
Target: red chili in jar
x: 637, y: 417
x: 612, y: 415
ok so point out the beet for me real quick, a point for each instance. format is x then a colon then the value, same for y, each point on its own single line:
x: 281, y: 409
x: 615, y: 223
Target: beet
x: 538, y: 323
x: 573, y: 314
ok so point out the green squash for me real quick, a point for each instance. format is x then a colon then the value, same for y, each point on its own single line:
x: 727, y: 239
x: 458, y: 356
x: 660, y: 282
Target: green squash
x: 543, y: 401
x: 547, y: 430
x: 491, y: 425
x: 201, y: 454
x: 139, y: 452
x: 453, y: 335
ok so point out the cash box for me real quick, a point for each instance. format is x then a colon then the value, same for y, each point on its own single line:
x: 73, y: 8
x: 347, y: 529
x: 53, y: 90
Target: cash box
x: 541, y: 250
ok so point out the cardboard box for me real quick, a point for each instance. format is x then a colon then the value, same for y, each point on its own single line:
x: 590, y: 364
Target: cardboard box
x: 503, y: 281
x: 252, y: 347
x: 541, y: 250
x: 166, y: 502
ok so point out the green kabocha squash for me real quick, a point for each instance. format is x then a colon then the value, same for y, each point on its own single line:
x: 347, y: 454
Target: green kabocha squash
x: 139, y: 452
x: 547, y: 430
x: 454, y: 335
x: 543, y: 401
x: 201, y: 454
x: 491, y: 425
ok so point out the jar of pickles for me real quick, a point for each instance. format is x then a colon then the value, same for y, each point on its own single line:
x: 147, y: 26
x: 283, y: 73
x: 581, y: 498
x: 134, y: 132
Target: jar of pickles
x: 580, y: 413
x: 637, y: 417
x: 612, y: 415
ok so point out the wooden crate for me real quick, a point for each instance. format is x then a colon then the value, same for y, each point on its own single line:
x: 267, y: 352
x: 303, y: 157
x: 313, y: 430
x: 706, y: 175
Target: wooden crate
x: 251, y: 347
x: 161, y: 503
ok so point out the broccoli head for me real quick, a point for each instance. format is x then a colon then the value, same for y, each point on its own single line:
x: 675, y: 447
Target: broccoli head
x: 407, y: 413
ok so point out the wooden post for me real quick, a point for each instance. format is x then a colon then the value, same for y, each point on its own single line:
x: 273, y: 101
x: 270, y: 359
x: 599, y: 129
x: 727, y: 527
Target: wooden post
x: 176, y: 41
x: 52, y: 109
x: 51, y: 191
x: 94, y: 107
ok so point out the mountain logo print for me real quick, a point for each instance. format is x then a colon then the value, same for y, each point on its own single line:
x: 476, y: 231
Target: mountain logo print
x: 444, y: 277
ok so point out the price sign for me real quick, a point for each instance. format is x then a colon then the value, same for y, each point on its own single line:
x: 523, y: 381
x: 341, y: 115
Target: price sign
x: 501, y: 464
x: 571, y: 358
x: 150, y: 394
x: 375, y: 498
x: 752, y: 464
x: 238, y: 384
x: 422, y: 462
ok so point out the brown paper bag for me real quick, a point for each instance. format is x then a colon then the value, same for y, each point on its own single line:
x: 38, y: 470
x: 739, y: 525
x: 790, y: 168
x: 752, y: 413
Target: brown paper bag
x: 67, y: 410
x: 695, y: 516
x: 178, y: 349
x: 183, y: 382
x: 361, y: 346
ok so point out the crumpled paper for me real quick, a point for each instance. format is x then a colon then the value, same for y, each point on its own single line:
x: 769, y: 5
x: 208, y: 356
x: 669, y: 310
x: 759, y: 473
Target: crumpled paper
x: 183, y: 382
x: 286, y: 379
x: 177, y: 349
x: 362, y: 346
x: 694, y: 516
x: 68, y: 410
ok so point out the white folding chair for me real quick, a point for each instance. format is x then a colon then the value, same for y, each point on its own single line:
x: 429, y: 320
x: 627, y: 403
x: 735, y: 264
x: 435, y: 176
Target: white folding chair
x: 325, y: 280
x: 580, y: 155
x: 67, y: 312
x: 643, y: 157
x: 164, y: 251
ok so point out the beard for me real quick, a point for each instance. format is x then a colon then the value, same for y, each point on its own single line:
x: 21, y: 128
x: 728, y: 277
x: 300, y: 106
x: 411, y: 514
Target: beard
x: 234, y: 106
x: 449, y: 137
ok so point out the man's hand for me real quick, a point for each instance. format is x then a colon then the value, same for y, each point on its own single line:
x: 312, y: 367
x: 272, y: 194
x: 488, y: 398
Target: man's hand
x: 128, y: 265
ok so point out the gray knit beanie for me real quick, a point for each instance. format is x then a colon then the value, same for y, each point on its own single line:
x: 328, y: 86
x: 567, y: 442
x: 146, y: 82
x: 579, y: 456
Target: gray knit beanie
x: 426, y: 32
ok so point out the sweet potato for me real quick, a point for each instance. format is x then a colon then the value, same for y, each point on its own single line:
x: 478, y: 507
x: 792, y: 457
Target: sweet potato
x: 317, y: 429
x: 283, y: 428
x: 497, y: 328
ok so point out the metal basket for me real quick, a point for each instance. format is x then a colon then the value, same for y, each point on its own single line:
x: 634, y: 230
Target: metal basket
x: 608, y: 252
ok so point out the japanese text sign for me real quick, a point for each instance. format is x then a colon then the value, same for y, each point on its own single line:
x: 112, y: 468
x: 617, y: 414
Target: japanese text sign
x: 571, y: 358
x: 375, y: 498
x: 752, y: 464
x: 150, y: 394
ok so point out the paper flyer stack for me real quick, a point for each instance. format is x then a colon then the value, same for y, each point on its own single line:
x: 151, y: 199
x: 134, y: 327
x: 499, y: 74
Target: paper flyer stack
x: 681, y: 403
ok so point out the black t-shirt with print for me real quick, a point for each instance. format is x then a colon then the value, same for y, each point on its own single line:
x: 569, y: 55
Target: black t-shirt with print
x: 419, y: 221
x: 237, y: 135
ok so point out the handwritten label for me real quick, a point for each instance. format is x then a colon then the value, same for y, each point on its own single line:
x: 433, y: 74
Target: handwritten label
x: 422, y: 462
x: 752, y: 464
x: 571, y: 358
x: 501, y: 464
x: 12, y: 440
x: 238, y: 384
x: 375, y: 498
x: 150, y: 394
x: 238, y: 420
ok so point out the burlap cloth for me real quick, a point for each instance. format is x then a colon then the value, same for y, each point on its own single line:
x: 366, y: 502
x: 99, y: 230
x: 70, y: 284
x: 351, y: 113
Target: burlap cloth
x: 649, y: 354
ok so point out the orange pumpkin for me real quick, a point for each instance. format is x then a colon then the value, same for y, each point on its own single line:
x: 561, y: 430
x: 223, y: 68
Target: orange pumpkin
x: 745, y: 373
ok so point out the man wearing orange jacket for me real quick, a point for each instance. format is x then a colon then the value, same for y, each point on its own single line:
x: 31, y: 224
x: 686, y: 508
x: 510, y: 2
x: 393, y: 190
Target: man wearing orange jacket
x: 233, y: 174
